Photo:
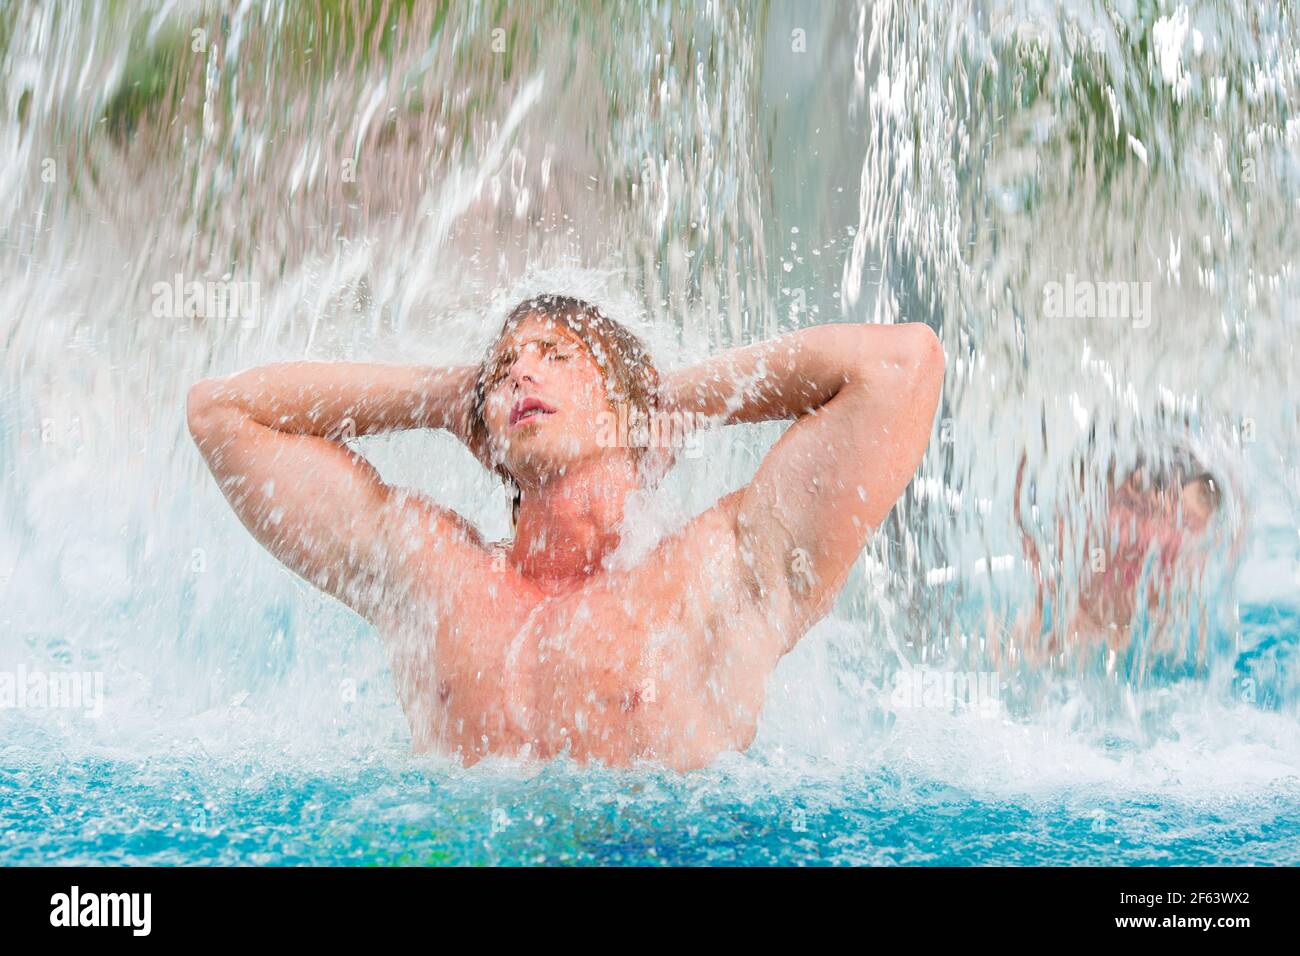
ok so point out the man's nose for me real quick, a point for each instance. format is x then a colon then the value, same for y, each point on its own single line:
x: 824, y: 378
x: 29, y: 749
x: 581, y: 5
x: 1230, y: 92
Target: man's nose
x: 524, y: 369
x: 522, y: 376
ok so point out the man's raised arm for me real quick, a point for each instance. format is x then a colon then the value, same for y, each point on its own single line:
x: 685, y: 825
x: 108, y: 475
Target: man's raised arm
x: 273, y: 437
x: 865, y: 398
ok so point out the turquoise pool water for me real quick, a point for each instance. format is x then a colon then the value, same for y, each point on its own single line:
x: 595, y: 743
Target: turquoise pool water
x: 131, y: 813
x: 1210, y: 782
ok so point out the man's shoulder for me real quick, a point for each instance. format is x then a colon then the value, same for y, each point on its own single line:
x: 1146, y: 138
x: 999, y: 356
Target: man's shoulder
x: 706, y: 537
x: 696, y: 565
x: 416, y: 510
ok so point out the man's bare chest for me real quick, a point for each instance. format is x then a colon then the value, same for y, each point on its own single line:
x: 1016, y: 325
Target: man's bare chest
x: 610, y: 671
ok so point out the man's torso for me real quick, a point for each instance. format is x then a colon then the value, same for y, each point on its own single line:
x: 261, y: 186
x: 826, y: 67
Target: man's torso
x: 666, y: 660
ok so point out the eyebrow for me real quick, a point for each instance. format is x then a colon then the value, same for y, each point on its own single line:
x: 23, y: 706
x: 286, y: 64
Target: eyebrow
x: 543, y: 343
x: 509, y: 352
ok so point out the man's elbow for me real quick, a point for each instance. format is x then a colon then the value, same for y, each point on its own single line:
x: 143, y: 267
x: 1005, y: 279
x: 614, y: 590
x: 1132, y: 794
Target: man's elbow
x: 901, y: 354
x: 924, y: 353
x: 926, y: 366
x: 202, y: 406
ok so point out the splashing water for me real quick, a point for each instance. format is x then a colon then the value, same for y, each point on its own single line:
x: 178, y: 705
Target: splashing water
x: 382, y: 181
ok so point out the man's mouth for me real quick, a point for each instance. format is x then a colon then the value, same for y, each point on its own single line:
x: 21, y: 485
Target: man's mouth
x: 529, y: 408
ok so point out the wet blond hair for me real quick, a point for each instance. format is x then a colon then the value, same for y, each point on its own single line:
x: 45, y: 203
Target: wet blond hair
x: 630, y: 376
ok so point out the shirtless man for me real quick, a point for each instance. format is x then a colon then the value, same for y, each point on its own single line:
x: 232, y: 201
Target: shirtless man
x: 549, y: 642
x: 1157, y: 526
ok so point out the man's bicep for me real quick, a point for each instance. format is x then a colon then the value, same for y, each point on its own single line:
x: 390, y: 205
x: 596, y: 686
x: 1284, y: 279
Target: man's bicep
x: 319, y: 508
x: 803, y: 519
x: 827, y: 484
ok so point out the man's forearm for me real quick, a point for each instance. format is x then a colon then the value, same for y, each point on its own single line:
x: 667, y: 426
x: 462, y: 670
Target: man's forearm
x: 779, y: 379
x: 329, y: 398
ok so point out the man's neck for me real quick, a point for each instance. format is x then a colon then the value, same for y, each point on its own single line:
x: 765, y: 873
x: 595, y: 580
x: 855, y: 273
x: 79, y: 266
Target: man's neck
x: 569, y: 523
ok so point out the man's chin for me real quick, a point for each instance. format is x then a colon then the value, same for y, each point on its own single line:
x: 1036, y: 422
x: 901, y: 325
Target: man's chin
x: 536, y: 468
x: 542, y: 461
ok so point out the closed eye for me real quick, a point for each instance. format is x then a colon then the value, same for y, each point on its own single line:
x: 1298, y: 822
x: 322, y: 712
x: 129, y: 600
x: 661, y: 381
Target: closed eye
x: 500, y: 369
x: 550, y: 352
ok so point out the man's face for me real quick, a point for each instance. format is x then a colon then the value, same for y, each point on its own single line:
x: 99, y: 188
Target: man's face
x: 1143, y: 521
x: 543, y: 396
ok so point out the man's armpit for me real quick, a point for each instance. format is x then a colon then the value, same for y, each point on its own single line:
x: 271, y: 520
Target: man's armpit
x: 777, y: 572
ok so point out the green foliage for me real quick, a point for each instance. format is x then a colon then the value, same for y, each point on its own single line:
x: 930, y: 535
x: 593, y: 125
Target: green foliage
x: 151, y: 69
